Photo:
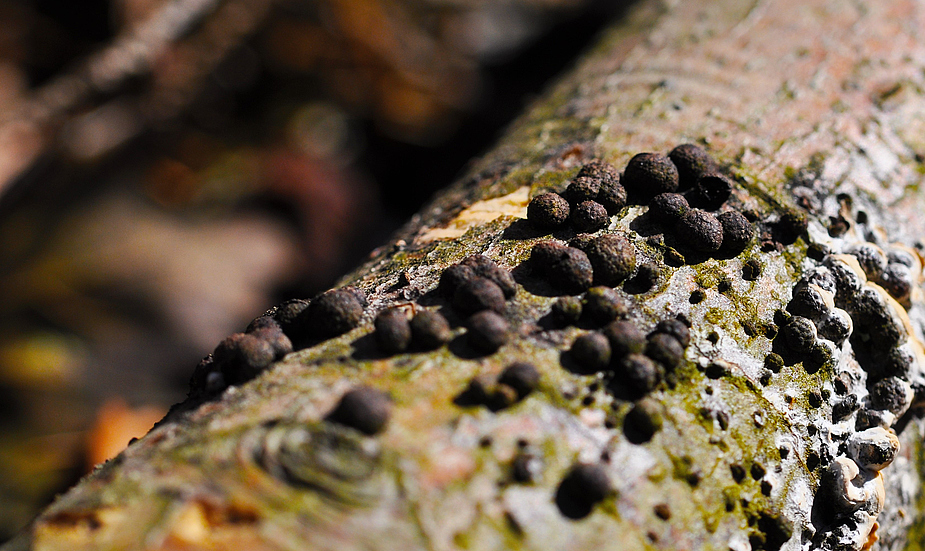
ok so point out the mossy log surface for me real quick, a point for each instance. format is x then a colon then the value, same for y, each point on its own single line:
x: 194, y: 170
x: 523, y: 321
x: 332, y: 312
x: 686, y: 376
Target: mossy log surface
x: 816, y: 110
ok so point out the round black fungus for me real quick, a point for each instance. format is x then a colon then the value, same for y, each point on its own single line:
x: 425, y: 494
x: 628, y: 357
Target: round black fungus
x: 697, y: 296
x: 582, y: 188
x: 548, y: 211
x: 897, y: 280
x: 637, y: 373
x: 582, y: 488
x: 242, y: 356
x: 751, y: 270
x: 713, y: 189
x: 847, y: 282
x: 676, y: 328
x: 737, y: 231
x: 522, y: 377
x: 613, y: 258
x: 666, y: 350
x: 489, y: 269
x: 845, y: 407
x: 566, y: 311
x: 791, y: 225
x: 800, y: 334
x: 478, y: 294
x: 605, y: 172
x: 871, y: 259
x: 453, y: 277
x: 333, y: 313
x: 668, y: 208
x: 648, y: 174
x: 890, y: 394
x: 642, y: 421
x: 287, y: 315
x: 277, y: 340
x: 625, y: 338
x: 488, y: 331
x: 429, y: 330
x: 898, y: 362
x: 567, y: 268
x: 263, y: 322
x: 602, y: 305
x: 701, y: 230
x: 835, y: 326
x: 612, y: 196
x: 876, y: 319
x: 691, y: 161
x: 364, y: 409
x: 591, y: 351
x: 808, y: 302
x: 393, y: 331
x: 589, y: 216
x: 821, y: 276
x: 774, y: 362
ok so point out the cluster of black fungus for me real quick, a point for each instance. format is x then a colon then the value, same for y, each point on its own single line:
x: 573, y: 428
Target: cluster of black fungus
x: 602, y: 260
x: 364, y: 408
x: 891, y: 270
x: 513, y: 384
x: 583, y: 487
x: 395, y: 333
x: 592, y: 197
x: 243, y: 356
x: 634, y: 362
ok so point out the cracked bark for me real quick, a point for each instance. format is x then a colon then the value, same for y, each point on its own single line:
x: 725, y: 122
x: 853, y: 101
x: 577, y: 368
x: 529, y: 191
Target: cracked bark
x: 815, y: 105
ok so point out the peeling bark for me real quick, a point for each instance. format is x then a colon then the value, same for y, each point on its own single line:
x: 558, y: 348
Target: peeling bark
x: 815, y: 110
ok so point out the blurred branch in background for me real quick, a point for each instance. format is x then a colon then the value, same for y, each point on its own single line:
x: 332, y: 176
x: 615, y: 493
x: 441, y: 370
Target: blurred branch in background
x: 171, y: 168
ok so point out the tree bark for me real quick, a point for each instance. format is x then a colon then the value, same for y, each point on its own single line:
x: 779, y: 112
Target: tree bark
x: 816, y: 110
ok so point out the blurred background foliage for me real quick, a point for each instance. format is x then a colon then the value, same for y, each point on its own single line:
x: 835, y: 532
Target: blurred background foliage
x: 171, y: 168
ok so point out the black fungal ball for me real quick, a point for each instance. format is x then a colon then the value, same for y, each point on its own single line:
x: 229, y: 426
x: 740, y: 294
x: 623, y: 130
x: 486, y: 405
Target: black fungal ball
x: 835, y: 326
x: 791, y: 225
x: 393, y: 331
x: 429, y: 330
x: 333, y: 313
x: 808, y: 302
x: 364, y: 409
x: 845, y: 407
x: 612, y: 196
x: 751, y: 270
x: 712, y: 190
x: 847, y: 282
x: 582, y: 188
x: 676, y: 328
x: 648, y: 174
x: 897, y: 280
x: 602, y: 305
x: 478, y: 294
x: 582, y: 488
x: 263, y: 322
x: 488, y: 331
x: 890, y: 394
x: 589, y: 216
x: 625, y: 339
x: 822, y: 277
x: 605, y: 172
x: 668, y: 208
x: 666, y: 350
x: 691, y: 161
x: 642, y: 421
x: 701, y: 230
x: 612, y: 257
x: 274, y: 336
x: 242, y: 356
x: 567, y: 268
x: 800, y: 334
x: 875, y: 319
x: 453, y: 277
x: 737, y: 231
x: 522, y: 377
x: 566, y: 311
x: 489, y: 269
x: 871, y: 259
x: 287, y: 315
x: 591, y: 351
x: 637, y: 373
x: 548, y: 211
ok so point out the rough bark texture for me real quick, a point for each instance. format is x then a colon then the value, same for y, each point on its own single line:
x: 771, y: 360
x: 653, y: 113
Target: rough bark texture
x: 816, y: 110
